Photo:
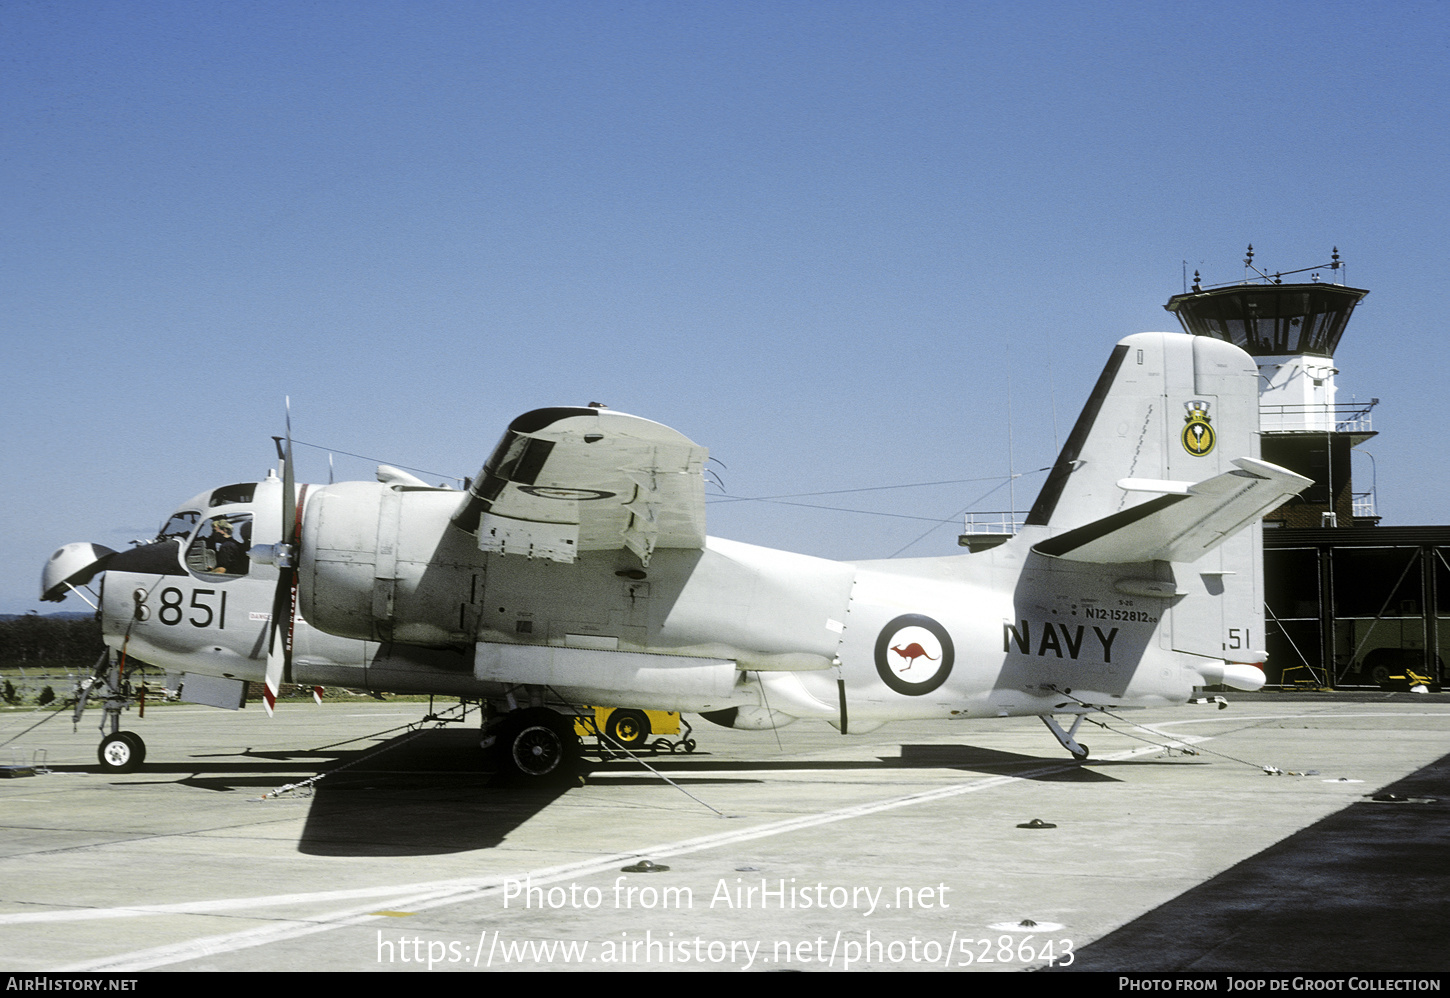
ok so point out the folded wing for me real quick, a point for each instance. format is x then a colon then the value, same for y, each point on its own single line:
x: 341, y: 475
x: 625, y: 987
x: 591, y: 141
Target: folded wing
x: 566, y: 480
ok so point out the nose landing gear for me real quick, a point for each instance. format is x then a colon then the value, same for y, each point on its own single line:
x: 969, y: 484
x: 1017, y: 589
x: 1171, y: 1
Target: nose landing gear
x: 120, y: 751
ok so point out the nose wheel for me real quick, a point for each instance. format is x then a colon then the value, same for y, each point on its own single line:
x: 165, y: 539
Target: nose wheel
x: 122, y: 752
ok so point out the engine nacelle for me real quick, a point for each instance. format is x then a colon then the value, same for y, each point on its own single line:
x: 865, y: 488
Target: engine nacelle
x: 382, y: 563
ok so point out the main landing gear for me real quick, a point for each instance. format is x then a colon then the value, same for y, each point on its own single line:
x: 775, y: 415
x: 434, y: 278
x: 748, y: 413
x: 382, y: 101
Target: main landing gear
x: 536, y: 745
x: 120, y: 751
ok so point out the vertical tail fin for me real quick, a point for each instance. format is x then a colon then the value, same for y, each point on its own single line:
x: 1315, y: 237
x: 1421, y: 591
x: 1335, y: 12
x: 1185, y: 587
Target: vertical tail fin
x: 1162, y: 467
x: 1167, y: 407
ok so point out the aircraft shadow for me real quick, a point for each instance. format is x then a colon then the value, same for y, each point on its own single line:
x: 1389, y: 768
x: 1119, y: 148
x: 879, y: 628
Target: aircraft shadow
x: 967, y: 758
x: 435, y: 791
x: 994, y: 762
x: 431, y: 793
x: 419, y: 793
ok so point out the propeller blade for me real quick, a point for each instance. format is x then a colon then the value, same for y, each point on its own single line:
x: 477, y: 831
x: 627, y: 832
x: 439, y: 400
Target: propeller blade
x: 284, y: 601
x: 289, y: 485
x: 278, y: 652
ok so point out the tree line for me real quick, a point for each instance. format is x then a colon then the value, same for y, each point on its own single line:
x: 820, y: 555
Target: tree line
x: 53, y: 640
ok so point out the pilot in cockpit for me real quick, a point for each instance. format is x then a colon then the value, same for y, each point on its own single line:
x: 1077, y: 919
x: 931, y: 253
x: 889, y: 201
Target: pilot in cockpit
x: 230, y: 558
x: 228, y: 554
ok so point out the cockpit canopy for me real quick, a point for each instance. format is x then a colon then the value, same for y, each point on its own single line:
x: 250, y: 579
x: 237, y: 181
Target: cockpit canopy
x: 179, y: 527
x: 208, y: 535
x: 215, y: 544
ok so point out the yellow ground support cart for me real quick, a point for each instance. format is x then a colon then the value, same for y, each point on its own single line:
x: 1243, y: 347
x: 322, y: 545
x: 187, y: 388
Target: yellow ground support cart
x: 625, y: 727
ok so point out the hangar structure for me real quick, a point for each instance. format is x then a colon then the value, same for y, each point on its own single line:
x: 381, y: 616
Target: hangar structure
x: 1348, y: 602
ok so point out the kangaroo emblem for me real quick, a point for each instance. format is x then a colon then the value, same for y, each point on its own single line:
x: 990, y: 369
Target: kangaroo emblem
x: 911, y: 653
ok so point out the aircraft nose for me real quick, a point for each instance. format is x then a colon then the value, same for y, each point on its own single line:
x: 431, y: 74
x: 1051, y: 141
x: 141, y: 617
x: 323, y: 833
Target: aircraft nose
x: 72, y: 565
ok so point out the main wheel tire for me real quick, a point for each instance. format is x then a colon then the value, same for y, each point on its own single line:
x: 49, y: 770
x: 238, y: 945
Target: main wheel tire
x: 538, y: 746
x: 118, y: 753
x: 630, y: 728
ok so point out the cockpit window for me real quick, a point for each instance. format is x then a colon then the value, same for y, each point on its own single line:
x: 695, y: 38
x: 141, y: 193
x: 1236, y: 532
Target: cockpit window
x: 230, y: 494
x: 179, y: 527
x: 220, y: 547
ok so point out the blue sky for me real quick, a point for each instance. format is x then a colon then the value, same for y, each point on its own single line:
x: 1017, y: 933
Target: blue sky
x: 822, y: 239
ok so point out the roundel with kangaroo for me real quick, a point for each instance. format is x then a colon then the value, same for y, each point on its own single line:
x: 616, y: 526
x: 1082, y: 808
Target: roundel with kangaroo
x: 914, y: 654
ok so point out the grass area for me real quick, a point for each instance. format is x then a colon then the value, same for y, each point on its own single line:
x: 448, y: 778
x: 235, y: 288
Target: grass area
x: 23, y: 687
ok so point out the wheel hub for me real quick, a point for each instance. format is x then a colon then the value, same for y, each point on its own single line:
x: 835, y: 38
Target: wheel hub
x: 538, y: 750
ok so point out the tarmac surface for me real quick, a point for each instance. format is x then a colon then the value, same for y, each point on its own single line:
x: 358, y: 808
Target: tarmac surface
x: 899, y: 849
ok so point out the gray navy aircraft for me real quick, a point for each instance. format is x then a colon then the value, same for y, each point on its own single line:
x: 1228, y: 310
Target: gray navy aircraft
x: 575, y: 569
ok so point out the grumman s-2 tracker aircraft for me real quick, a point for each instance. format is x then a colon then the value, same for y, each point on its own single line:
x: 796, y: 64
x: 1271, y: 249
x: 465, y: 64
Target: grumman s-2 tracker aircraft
x: 575, y: 570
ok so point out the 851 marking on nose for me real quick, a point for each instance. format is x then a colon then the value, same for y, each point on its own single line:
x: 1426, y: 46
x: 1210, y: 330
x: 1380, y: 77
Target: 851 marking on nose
x: 171, y: 611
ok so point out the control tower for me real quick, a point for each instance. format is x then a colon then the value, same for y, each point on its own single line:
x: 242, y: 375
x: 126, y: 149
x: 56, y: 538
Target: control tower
x: 1291, y: 331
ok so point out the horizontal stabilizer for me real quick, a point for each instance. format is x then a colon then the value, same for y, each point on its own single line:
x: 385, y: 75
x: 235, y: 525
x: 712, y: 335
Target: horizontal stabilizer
x: 1179, y: 525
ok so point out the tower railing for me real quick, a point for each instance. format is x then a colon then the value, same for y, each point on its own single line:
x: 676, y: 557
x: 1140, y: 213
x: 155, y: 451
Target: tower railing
x: 996, y: 522
x: 1353, y: 417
